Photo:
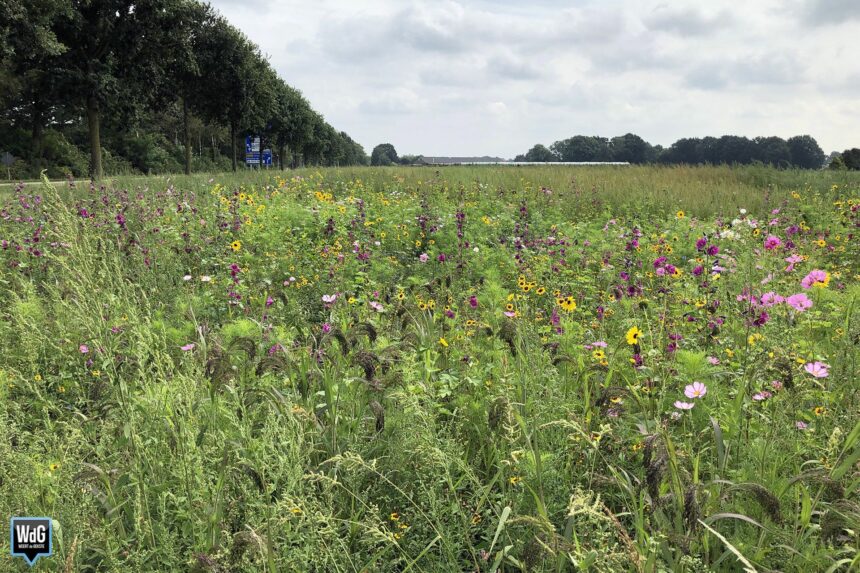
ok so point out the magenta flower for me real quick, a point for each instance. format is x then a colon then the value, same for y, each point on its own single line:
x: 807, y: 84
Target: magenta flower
x: 684, y: 405
x: 817, y: 369
x: 799, y: 302
x: 772, y: 242
x: 473, y: 301
x: 769, y: 299
x: 326, y: 327
x: 815, y: 278
x: 695, y: 390
x: 187, y: 347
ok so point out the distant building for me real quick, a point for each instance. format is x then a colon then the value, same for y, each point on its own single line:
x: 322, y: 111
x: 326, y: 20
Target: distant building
x: 424, y: 160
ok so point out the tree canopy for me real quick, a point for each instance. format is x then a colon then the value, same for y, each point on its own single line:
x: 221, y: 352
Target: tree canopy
x: 129, y: 86
x: 800, y: 151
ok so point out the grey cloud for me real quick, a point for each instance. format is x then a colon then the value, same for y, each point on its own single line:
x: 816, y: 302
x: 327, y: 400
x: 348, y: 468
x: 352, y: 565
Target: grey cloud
x: 767, y: 69
x: 824, y: 12
x: 687, y: 21
x: 506, y: 66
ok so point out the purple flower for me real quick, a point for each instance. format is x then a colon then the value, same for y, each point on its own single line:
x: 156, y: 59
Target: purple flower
x: 326, y: 327
x: 700, y: 243
x: 698, y: 270
x: 269, y: 302
x: 684, y: 405
x: 695, y: 390
x: 772, y: 242
x: 473, y: 301
x: 441, y: 258
x: 713, y: 250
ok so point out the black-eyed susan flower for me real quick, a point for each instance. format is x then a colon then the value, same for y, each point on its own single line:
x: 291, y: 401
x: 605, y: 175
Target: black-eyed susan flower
x: 633, y: 335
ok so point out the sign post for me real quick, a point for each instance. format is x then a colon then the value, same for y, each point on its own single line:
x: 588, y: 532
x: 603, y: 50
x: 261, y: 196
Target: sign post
x: 252, y: 150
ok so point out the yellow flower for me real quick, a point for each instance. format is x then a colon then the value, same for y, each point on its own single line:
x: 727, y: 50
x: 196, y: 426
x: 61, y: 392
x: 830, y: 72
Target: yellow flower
x: 296, y: 511
x: 37, y: 377
x: 515, y: 480
x: 633, y: 335
x: 567, y: 303
x: 443, y: 342
x: 394, y: 516
x: 53, y: 467
x: 598, y: 354
x: 819, y: 411
x: 540, y: 291
x: 680, y: 214
x: 236, y: 246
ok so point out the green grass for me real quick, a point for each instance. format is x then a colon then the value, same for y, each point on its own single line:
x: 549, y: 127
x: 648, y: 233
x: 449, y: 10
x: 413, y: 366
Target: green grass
x: 176, y: 393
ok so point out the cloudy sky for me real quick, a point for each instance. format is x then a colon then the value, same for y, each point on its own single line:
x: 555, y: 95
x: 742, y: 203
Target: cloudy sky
x: 475, y: 77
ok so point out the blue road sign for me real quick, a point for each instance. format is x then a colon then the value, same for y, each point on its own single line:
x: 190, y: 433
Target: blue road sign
x: 267, y: 157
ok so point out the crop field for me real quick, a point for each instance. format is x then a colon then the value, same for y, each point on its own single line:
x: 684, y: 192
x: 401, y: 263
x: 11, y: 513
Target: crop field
x: 435, y: 369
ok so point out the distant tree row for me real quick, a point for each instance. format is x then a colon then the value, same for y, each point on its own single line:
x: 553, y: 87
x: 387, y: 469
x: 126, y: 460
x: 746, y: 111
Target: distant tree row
x: 799, y: 151
x: 146, y: 86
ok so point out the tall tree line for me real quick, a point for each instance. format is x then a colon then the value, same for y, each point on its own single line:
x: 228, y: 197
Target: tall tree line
x: 800, y: 151
x: 158, y: 85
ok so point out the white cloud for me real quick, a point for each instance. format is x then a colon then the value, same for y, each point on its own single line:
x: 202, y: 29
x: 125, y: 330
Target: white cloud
x: 475, y: 77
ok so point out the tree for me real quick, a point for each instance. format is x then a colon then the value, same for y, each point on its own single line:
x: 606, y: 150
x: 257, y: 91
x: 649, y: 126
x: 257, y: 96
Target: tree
x: 582, y: 148
x: 805, y: 152
x: 772, y: 150
x: 114, y: 56
x: 851, y: 159
x: 630, y: 148
x: 383, y: 154
x: 539, y: 153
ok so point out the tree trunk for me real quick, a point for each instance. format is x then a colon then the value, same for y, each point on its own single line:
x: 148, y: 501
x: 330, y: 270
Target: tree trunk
x: 214, y: 158
x: 95, y: 138
x: 187, y: 117
x: 233, y: 144
x: 37, y: 136
x: 281, y: 156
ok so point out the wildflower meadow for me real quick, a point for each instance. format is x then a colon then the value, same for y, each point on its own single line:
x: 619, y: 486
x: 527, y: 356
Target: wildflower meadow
x: 435, y: 369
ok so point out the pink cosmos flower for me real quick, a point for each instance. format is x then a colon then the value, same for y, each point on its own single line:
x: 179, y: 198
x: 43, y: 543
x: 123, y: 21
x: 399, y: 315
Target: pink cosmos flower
x: 817, y: 369
x: 769, y: 299
x: 84, y: 348
x: 424, y: 257
x: 800, y: 425
x: 713, y: 360
x: 815, y: 278
x: 799, y: 302
x: 684, y: 405
x: 329, y: 299
x: 376, y: 306
x: 695, y: 390
x: 762, y: 396
x: 792, y: 260
x: 772, y: 242
x: 187, y: 347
